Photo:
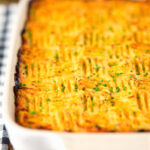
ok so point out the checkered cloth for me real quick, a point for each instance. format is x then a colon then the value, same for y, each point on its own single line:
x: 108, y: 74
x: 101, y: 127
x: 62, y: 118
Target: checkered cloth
x: 7, y: 18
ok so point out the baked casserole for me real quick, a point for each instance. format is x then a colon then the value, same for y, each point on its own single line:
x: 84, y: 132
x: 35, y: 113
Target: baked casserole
x: 84, y: 66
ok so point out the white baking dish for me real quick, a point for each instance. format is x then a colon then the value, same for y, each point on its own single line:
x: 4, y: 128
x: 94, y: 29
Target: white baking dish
x: 29, y: 139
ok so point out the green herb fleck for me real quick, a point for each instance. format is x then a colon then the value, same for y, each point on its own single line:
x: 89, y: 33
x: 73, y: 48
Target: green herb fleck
x: 114, y: 64
x: 111, y: 89
x: 47, y: 90
x: 38, y: 81
x: 22, y: 85
x: 112, y: 102
x: 75, y: 53
x: 92, y: 103
x: 57, y: 56
x: 117, y: 74
x: 56, y: 100
x: 41, y: 107
x: 99, y: 83
x: 111, y: 28
x: 129, y: 93
x: 103, y: 39
x: 145, y: 73
x: 26, y: 66
x: 121, y: 109
x: 76, y: 87
x: 117, y: 89
x: 148, y: 51
x: 96, y: 89
x: 33, y: 113
x: 134, y: 112
x: 48, y: 99
x: 124, y: 88
x: 63, y: 88
x: 105, y: 85
x: 96, y: 67
x: 127, y: 46
x: 114, y: 79
x: 117, y: 56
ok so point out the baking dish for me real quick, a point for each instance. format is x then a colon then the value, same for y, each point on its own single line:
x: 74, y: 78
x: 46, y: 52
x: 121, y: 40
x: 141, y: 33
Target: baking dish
x: 29, y: 139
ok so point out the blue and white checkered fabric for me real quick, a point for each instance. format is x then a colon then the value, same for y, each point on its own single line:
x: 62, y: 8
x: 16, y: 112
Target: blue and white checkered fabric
x: 7, y: 19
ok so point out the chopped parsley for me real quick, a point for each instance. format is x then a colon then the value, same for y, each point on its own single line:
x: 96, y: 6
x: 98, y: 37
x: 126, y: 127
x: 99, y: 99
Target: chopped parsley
x: 111, y: 89
x: 111, y: 28
x: 26, y: 66
x: 47, y: 90
x: 99, y: 83
x: 38, y: 81
x: 76, y: 87
x: 96, y: 67
x: 22, y: 85
x: 92, y: 103
x: 127, y: 46
x: 129, y: 93
x: 148, y: 51
x: 124, y: 88
x: 114, y: 79
x: 134, y: 112
x: 117, y: 74
x: 145, y: 73
x: 117, y: 56
x: 117, y: 89
x: 63, y: 88
x: 75, y: 53
x: 56, y: 100
x: 41, y: 107
x: 33, y: 113
x: 121, y: 109
x: 48, y: 99
x: 96, y: 89
x: 57, y: 56
x: 114, y: 64
x: 105, y: 85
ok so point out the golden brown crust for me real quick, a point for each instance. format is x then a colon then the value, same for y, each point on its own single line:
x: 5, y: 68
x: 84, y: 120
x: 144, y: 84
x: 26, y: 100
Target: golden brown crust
x: 85, y: 71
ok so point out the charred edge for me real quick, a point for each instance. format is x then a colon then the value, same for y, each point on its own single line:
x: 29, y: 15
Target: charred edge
x: 41, y: 127
x: 22, y: 32
x: 98, y: 127
x: 142, y: 130
x: 28, y: 15
x: 68, y: 130
x: 17, y: 77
